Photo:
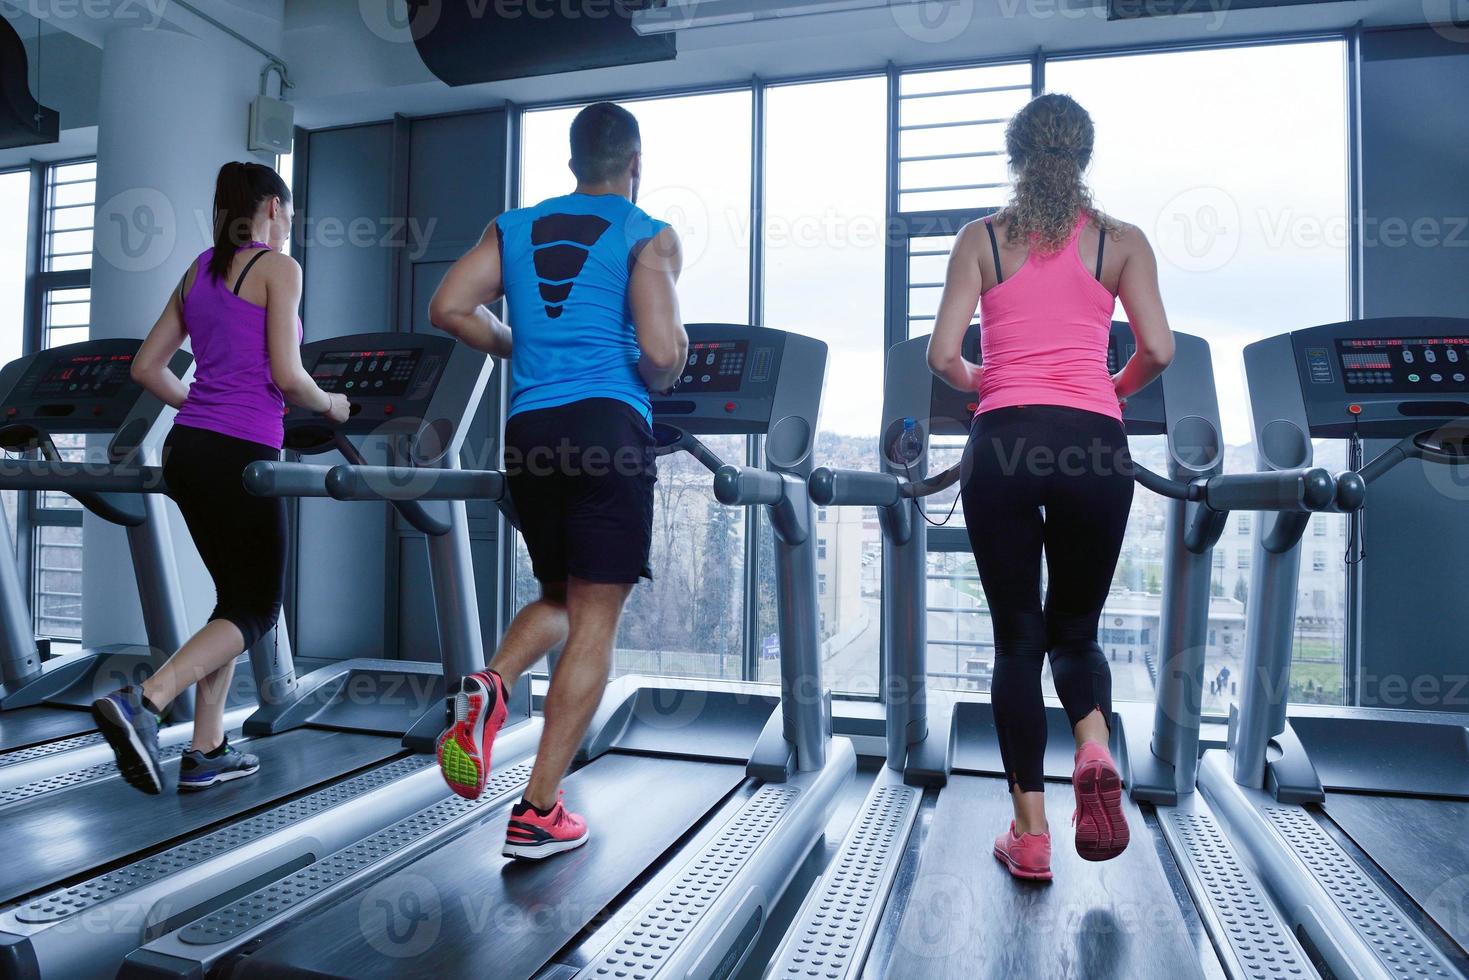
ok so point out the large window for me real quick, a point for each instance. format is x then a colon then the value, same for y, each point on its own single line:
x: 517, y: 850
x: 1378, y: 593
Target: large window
x: 1245, y: 203
x: 689, y: 620
x: 825, y: 205
x: 15, y: 197
x: 66, y: 317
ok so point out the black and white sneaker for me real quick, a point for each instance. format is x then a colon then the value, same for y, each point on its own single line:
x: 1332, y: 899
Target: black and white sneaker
x: 198, y: 770
x: 132, y: 731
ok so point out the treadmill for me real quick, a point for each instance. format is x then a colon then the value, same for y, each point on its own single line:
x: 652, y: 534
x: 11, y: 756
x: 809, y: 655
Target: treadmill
x: 913, y: 889
x: 81, y: 388
x: 703, y: 798
x: 48, y: 740
x: 1321, y: 796
x: 98, y: 870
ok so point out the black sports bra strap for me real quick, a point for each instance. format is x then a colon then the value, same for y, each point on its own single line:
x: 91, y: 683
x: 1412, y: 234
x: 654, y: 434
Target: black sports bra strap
x: 1101, y: 246
x: 989, y: 226
x: 259, y: 254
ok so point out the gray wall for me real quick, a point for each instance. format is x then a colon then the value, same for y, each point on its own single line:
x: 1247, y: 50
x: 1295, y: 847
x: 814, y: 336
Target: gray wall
x: 384, y: 210
x: 1415, y: 159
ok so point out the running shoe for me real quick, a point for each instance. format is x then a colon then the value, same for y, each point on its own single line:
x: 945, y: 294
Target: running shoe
x: 1101, y: 826
x: 200, y: 771
x: 1026, y: 856
x: 464, y: 748
x: 532, y: 835
x: 132, y: 731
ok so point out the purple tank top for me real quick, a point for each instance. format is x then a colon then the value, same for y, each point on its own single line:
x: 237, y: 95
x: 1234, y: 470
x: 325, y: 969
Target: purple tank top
x: 232, y: 392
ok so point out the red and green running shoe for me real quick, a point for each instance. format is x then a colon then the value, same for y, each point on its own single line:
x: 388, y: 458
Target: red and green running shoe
x: 464, y: 748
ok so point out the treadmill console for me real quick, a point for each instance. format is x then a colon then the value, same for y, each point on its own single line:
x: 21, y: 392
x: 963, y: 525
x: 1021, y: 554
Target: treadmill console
x: 740, y: 379
x: 745, y: 380
x: 384, y: 376
x: 422, y: 386
x: 1387, y: 377
x: 79, y: 389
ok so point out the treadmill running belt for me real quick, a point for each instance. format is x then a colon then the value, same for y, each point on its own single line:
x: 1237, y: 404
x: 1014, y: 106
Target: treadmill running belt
x: 25, y: 727
x: 463, y: 910
x: 63, y: 835
x: 1422, y: 844
x: 966, y: 917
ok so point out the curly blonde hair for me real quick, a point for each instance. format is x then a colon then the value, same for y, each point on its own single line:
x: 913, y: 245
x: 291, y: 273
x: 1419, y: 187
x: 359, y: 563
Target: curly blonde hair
x: 1049, y: 142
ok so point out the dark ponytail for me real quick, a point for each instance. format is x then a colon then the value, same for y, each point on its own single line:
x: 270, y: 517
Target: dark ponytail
x: 239, y: 191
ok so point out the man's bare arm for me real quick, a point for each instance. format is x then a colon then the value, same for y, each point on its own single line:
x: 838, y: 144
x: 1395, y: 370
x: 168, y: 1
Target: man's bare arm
x: 653, y: 299
x: 460, y: 306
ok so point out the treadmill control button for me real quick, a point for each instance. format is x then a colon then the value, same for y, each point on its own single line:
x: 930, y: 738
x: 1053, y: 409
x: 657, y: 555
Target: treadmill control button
x: 730, y: 406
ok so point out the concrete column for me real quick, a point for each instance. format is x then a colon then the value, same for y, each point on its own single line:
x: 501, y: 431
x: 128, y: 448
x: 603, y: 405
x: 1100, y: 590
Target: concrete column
x: 173, y: 107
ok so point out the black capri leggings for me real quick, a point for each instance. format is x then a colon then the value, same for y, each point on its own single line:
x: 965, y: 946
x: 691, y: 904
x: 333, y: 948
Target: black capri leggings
x: 1057, y: 481
x: 241, y: 537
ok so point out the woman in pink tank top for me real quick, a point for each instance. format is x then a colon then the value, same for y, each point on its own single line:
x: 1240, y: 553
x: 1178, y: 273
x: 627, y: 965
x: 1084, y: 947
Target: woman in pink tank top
x: 237, y: 306
x: 1046, y: 472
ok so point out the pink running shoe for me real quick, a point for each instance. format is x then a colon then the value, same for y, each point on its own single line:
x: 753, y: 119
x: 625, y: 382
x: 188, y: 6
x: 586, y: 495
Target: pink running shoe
x: 464, y: 748
x: 1101, y: 826
x: 1027, y: 856
x: 532, y: 835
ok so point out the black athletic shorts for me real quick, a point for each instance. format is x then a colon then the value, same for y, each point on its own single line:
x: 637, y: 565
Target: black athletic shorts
x: 581, y: 478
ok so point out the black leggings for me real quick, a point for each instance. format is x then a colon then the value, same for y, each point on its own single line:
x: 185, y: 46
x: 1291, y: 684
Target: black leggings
x: 1044, y: 479
x: 241, y: 537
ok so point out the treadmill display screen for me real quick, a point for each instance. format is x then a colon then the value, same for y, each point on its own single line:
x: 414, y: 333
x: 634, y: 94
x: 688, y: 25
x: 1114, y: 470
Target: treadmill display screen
x: 1402, y: 365
x: 714, y: 366
x: 84, y: 376
x: 368, y: 373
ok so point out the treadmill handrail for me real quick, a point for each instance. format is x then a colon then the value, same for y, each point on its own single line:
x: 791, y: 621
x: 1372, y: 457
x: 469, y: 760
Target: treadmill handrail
x: 405, y: 486
x: 83, y: 476
x: 397, y: 483
x: 1307, y: 489
x: 270, y: 478
x: 748, y: 485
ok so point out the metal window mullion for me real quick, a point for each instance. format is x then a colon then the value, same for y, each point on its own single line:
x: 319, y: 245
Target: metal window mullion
x: 971, y: 155
x: 750, y: 652
x: 965, y: 91
x: 951, y: 125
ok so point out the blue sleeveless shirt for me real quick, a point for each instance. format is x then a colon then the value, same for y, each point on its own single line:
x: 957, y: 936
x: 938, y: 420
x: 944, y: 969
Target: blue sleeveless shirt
x: 566, y: 264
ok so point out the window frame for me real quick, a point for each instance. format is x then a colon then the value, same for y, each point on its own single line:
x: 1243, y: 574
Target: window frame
x: 31, y: 514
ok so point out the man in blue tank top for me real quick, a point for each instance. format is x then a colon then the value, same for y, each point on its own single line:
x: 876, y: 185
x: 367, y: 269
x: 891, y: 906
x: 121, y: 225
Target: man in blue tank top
x: 589, y: 282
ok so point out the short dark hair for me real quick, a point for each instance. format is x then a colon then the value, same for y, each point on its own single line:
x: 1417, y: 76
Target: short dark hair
x: 603, y: 136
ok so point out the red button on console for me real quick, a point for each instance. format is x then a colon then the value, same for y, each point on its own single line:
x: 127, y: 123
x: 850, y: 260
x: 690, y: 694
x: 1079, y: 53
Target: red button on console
x: 730, y: 406
x: 387, y: 410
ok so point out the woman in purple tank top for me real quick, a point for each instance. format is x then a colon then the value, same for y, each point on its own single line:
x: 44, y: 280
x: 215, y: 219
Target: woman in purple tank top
x: 1046, y: 476
x: 237, y: 306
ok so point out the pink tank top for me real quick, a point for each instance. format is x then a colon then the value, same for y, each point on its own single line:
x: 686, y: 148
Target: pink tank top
x: 1043, y: 335
x: 232, y: 392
